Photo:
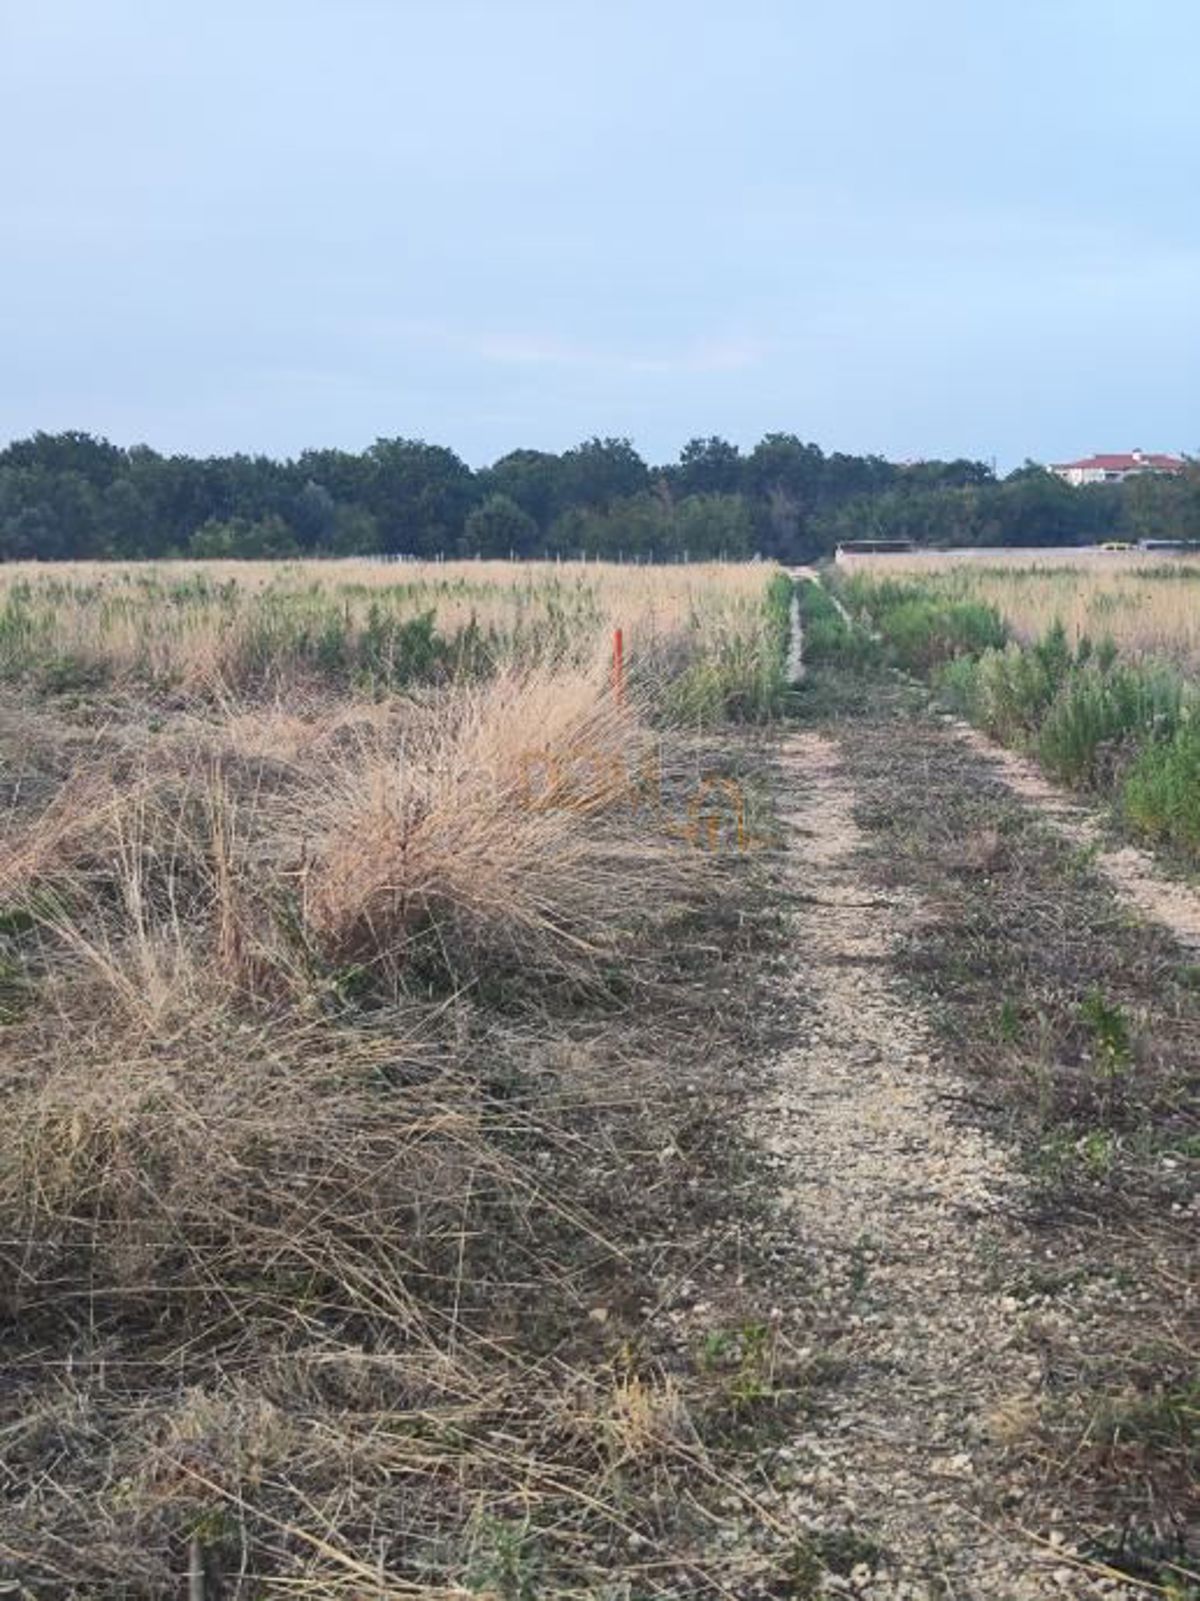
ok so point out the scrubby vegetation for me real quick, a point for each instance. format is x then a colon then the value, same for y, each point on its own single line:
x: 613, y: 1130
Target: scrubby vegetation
x: 1145, y: 604
x: 919, y: 630
x: 214, y: 627
x: 1161, y: 794
x: 828, y: 635
x: 736, y: 672
x: 1097, y: 717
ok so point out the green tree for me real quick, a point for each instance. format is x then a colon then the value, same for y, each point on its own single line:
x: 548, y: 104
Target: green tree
x: 531, y: 478
x: 1161, y: 507
x: 785, y: 477
x: 497, y: 526
x: 712, y: 525
x: 313, y: 516
x: 419, y: 494
x: 601, y: 471
x: 709, y: 466
x: 94, y: 460
x: 127, y: 519
x: 268, y: 539
x: 355, y: 532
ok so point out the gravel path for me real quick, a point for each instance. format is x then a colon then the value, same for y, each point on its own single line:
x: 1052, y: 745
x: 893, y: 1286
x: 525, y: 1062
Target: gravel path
x: 902, y: 1209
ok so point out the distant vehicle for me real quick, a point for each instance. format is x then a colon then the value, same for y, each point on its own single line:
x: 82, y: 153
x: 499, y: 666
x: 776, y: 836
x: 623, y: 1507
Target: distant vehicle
x: 1117, y: 544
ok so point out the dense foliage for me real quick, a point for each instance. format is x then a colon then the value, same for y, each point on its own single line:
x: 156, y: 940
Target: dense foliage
x: 72, y: 496
x: 1125, y: 728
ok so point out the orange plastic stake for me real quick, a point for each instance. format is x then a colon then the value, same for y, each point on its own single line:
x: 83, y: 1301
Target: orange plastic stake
x: 619, y: 666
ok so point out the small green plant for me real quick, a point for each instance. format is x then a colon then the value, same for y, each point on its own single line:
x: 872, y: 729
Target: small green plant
x: 1098, y: 1148
x: 1164, y: 1419
x: 502, y: 1560
x: 861, y: 1257
x: 1110, y: 1031
x: 748, y: 1355
x: 755, y: 1376
x: 70, y: 675
x: 1081, y: 859
x: 15, y: 990
x: 1009, y: 1021
x: 714, y: 1348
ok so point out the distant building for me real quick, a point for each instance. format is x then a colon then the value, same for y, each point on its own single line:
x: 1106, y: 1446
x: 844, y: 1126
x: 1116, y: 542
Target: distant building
x: 1115, y: 469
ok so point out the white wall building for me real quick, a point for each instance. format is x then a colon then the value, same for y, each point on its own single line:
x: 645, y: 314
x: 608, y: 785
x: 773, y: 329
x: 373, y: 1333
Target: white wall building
x: 1115, y: 469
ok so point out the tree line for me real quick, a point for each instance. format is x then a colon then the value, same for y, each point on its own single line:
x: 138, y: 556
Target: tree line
x: 70, y: 496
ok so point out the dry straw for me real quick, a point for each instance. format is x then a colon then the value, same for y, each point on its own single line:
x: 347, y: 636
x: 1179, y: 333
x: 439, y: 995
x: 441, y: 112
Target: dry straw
x: 308, y: 1146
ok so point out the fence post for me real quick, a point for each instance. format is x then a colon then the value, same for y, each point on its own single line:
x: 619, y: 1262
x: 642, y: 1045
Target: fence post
x: 618, y: 667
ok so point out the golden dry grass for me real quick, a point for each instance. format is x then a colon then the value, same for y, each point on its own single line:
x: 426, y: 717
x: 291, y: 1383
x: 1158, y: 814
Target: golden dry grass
x: 334, y: 1096
x: 494, y: 825
x: 1147, y: 605
x: 209, y: 626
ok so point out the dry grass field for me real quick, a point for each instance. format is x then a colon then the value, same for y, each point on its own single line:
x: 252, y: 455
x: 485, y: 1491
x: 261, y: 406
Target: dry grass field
x: 445, y: 1155
x: 202, y: 626
x: 1147, y: 605
x: 344, y: 913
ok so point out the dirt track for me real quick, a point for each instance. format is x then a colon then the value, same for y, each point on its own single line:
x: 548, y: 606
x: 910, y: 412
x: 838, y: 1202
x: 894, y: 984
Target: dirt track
x: 902, y: 1208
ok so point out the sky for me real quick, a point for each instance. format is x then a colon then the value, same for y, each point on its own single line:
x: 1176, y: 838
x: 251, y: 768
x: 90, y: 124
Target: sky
x: 914, y: 227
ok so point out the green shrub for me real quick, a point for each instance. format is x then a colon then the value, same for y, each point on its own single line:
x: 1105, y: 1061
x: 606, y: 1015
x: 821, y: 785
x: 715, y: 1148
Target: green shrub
x: 957, y: 684
x: 874, y: 596
x: 401, y: 650
x: 828, y: 638
x: 815, y: 604
x: 70, y: 675
x: 1098, y: 719
x: 922, y: 634
x: 1010, y: 691
x: 1053, y: 653
x: 727, y: 686
x: 1161, y: 794
x: 921, y: 629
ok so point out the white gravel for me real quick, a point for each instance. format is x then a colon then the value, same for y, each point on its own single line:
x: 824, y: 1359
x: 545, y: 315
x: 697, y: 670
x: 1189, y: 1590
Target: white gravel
x: 899, y: 1210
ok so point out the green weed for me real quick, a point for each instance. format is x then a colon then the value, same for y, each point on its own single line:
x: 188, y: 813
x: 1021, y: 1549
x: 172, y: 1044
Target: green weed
x: 1110, y: 1032
x: 1161, y: 793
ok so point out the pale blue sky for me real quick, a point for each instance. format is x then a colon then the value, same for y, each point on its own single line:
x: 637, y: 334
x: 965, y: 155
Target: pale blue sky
x: 919, y: 227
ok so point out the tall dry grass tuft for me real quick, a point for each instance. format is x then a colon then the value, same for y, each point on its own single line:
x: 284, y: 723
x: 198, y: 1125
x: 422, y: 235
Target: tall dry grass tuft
x: 523, y: 826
